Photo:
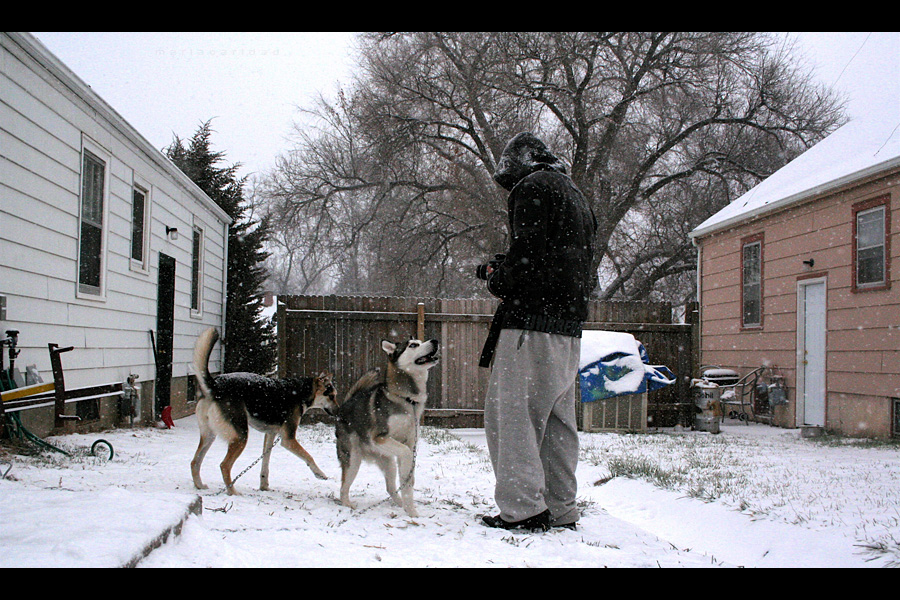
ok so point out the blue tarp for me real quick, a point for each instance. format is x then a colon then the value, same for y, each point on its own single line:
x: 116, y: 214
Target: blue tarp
x: 616, y: 364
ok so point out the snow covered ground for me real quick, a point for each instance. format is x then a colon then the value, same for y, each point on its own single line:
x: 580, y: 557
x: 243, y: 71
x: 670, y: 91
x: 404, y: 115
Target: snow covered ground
x: 750, y: 496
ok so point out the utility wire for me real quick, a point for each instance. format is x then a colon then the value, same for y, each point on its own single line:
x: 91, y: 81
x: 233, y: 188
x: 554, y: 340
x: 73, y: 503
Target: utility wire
x: 851, y: 58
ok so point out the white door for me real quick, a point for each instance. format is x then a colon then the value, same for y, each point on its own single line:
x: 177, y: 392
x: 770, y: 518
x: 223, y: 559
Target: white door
x: 811, y: 352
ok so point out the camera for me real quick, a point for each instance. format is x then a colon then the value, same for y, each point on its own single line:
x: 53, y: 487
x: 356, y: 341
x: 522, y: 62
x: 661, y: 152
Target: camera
x: 484, y: 271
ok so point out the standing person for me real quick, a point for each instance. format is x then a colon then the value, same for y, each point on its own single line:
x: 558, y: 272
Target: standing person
x: 544, y: 282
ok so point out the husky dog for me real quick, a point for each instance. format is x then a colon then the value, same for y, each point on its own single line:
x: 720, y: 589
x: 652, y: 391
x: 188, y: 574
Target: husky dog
x: 380, y: 417
x: 229, y: 402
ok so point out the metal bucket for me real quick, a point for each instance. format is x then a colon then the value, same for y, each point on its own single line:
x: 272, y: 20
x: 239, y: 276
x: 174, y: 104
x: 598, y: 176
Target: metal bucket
x: 704, y: 393
x: 706, y: 422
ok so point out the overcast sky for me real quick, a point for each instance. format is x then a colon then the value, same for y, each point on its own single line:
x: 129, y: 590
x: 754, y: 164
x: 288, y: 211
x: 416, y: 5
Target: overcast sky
x: 251, y: 84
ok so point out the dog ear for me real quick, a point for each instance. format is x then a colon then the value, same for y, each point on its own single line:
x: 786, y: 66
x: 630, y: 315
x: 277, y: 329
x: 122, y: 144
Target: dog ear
x: 388, y: 347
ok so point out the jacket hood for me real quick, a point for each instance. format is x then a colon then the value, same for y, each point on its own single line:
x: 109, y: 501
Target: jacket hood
x: 523, y: 155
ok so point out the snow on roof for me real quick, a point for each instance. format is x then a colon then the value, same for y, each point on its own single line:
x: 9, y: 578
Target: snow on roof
x: 860, y: 148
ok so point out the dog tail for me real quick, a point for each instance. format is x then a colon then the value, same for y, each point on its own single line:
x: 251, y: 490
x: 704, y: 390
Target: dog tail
x: 202, y: 349
x: 367, y: 382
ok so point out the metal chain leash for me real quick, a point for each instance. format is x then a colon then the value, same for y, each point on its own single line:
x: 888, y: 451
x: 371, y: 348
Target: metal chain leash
x: 355, y: 514
x: 251, y: 465
x: 412, y: 472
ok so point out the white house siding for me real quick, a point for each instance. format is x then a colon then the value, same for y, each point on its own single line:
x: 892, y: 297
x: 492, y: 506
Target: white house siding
x: 46, y: 117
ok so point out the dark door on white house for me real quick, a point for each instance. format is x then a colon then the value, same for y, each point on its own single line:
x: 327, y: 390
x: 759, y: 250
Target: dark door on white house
x: 165, y: 329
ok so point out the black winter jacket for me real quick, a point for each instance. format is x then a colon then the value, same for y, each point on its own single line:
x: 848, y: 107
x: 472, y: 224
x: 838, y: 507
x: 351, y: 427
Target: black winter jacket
x: 546, y: 278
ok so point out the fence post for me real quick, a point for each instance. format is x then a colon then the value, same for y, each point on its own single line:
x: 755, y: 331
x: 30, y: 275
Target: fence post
x: 281, y: 336
x: 420, y: 321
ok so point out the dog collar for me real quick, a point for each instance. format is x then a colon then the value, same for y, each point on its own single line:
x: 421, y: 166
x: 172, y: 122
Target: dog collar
x: 408, y: 399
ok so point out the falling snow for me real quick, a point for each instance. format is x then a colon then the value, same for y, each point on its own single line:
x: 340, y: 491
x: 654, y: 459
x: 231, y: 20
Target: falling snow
x: 753, y: 496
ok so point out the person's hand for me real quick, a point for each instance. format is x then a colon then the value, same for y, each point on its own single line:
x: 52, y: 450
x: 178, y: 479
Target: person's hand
x: 484, y: 271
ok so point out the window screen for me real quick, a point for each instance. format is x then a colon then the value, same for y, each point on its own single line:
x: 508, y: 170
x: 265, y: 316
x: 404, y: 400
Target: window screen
x: 92, y: 182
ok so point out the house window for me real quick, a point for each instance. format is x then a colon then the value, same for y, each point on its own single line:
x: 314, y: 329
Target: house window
x: 895, y: 427
x: 871, y: 249
x: 751, y: 287
x: 196, y: 270
x: 90, y: 252
x: 138, y: 224
x: 88, y: 410
x: 191, y: 390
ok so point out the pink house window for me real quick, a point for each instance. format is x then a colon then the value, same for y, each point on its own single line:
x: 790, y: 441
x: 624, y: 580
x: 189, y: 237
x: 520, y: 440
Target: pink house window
x: 752, y: 281
x: 871, y: 245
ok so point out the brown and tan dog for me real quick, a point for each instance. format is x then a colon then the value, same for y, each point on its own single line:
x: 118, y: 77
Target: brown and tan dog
x: 230, y: 402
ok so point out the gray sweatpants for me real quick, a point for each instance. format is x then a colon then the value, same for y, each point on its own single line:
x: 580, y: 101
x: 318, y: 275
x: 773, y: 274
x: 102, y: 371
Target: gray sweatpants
x: 529, y: 420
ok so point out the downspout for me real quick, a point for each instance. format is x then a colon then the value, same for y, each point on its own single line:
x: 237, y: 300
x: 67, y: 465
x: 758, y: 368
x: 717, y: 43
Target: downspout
x: 699, y: 323
x: 226, y: 227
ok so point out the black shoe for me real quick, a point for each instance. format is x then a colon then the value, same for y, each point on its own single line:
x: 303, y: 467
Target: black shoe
x: 539, y: 522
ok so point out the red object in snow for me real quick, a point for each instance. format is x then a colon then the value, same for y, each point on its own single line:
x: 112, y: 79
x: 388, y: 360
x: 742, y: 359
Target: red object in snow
x: 167, y: 417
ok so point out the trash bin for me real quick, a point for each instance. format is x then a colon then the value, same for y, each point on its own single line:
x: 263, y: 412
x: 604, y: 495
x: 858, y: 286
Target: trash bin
x: 706, y: 393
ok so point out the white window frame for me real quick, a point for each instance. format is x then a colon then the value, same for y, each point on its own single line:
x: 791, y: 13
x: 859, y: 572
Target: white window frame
x: 881, y: 220
x: 746, y: 244
x: 197, y: 311
x: 85, y: 291
x: 143, y: 186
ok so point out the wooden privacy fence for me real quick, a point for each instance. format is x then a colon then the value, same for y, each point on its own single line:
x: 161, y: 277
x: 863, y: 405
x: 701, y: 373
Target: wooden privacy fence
x: 342, y: 334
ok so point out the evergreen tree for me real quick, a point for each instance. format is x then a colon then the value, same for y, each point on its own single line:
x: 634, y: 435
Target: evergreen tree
x: 250, y: 343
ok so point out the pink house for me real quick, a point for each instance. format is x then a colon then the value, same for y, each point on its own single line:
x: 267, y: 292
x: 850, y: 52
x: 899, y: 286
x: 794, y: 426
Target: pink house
x: 802, y: 275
